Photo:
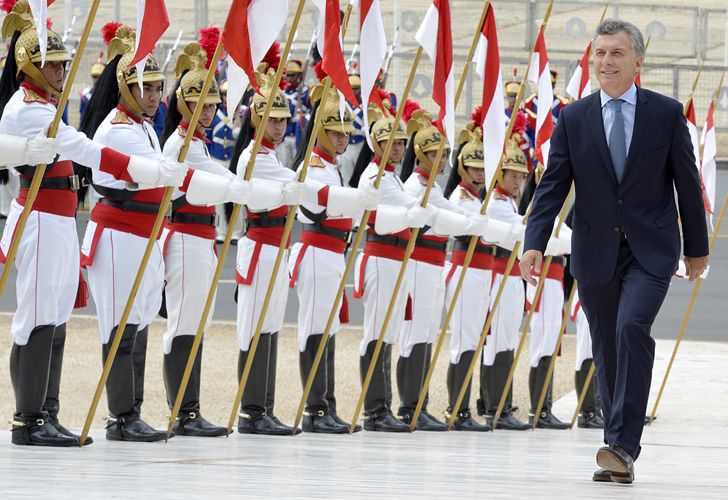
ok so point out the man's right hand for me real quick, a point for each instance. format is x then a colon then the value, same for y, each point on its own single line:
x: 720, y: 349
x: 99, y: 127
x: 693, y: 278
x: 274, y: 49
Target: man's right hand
x: 530, y: 265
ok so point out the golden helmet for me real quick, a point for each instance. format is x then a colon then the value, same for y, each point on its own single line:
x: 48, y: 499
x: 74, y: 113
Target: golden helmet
x: 224, y: 87
x: 515, y: 158
x: 355, y: 80
x: 512, y: 88
x: 382, y: 126
x: 329, y: 115
x: 124, y: 44
x: 279, y: 108
x: 98, y: 67
x: 191, y: 73
x: 471, y: 154
x: 427, y: 136
x: 294, y: 67
x: 27, y: 47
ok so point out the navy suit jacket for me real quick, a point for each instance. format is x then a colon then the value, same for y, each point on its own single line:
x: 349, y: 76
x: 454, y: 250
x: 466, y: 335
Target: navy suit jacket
x: 660, y: 161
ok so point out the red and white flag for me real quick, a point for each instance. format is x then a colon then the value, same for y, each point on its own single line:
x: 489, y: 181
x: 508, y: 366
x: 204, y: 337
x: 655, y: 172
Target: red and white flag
x: 329, y: 44
x: 373, y: 43
x: 152, y: 22
x: 39, y: 10
x: 488, y: 68
x: 540, y: 74
x: 250, y: 29
x: 579, y: 85
x: 707, y: 166
x: 435, y: 37
x: 693, y: 129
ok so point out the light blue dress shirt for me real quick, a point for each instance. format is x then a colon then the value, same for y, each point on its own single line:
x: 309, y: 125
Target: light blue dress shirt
x: 629, y: 106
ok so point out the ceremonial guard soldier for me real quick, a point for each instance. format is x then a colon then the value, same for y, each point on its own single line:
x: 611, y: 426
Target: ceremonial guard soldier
x: 257, y: 252
x: 316, y: 263
x: 425, y: 269
x: 46, y: 287
x: 121, y: 223
x: 498, y: 352
x: 531, y: 106
x: 464, y: 186
x: 96, y: 69
x: 188, y: 241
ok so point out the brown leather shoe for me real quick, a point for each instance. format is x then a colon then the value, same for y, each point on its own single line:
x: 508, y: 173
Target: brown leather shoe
x: 602, y: 476
x: 616, y: 460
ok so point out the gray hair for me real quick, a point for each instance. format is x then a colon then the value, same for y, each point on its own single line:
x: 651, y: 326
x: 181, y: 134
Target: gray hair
x: 612, y: 26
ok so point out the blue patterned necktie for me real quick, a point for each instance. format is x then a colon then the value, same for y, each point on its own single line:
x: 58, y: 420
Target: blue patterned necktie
x: 617, y: 140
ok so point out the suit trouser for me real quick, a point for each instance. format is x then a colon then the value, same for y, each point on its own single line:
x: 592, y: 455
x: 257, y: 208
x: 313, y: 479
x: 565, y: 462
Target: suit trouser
x: 620, y: 315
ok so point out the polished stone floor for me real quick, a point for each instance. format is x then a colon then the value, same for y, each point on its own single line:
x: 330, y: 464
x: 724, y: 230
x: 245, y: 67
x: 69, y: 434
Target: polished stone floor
x: 685, y: 454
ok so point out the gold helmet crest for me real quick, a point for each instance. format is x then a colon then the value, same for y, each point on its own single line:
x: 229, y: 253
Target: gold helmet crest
x: 329, y: 115
x: 427, y: 136
x: 382, y: 126
x: 266, y: 83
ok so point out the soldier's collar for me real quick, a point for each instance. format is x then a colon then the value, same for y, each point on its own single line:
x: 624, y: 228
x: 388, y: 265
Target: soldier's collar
x: 130, y: 115
x: 37, y: 90
x: 421, y: 172
x: 324, y: 154
x: 504, y: 192
x: 387, y: 168
x: 467, y: 187
x: 266, y: 143
x: 197, y: 135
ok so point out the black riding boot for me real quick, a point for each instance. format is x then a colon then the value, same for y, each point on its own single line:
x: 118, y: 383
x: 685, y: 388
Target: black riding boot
x: 259, y: 394
x: 189, y: 420
x: 411, y: 373
x: 124, y: 422
x: 331, y: 384
x: 52, y: 402
x: 537, y: 379
x: 590, y: 416
x: 377, y: 413
x: 456, y: 375
x: 30, y: 366
x: 495, y: 385
x: 317, y: 418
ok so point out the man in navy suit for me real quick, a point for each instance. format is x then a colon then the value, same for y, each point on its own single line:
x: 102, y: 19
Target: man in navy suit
x: 627, y: 150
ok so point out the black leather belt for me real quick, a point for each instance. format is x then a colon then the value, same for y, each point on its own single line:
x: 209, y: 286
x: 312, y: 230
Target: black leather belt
x: 462, y: 246
x: 433, y: 245
x: 329, y: 231
x: 72, y: 183
x: 132, y: 206
x: 190, y: 218
x: 501, y: 253
x: 389, y: 240
x: 265, y: 222
x: 559, y: 260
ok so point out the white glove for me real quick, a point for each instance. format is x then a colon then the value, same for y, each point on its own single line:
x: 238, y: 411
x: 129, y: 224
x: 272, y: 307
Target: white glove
x: 239, y: 192
x: 369, y: 198
x: 265, y: 195
x: 294, y: 193
x: 41, y: 149
x: 477, y: 225
x: 417, y: 216
x: 350, y: 201
x: 448, y: 223
x: 498, y: 232
x: 167, y: 172
x: 560, y: 245
x: 516, y: 233
x: 390, y: 219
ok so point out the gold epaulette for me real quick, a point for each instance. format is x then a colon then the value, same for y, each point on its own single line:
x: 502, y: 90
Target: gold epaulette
x: 464, y: 195
x: 30, y: 95
x: 121, y: 118
x: 316, y: 162
x: 499, y: 196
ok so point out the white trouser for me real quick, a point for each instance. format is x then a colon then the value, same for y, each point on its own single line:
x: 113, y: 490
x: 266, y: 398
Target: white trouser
x: 546, y: 321
x: 252, y: 295
x: 428, y: 296
x: 48, y: 269
x: 380, y: 276
x: 583, y: 339
x: 505, y: 327
x: 189, y: 263
x: 286, y: 150
x: 116, y: 259
x: 318, y: 276
x: 471, y: 309
x: 8, y: 192
x: 347, y: 161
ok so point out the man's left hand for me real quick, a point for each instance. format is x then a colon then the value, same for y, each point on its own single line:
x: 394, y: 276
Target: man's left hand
x: 694, y: 266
